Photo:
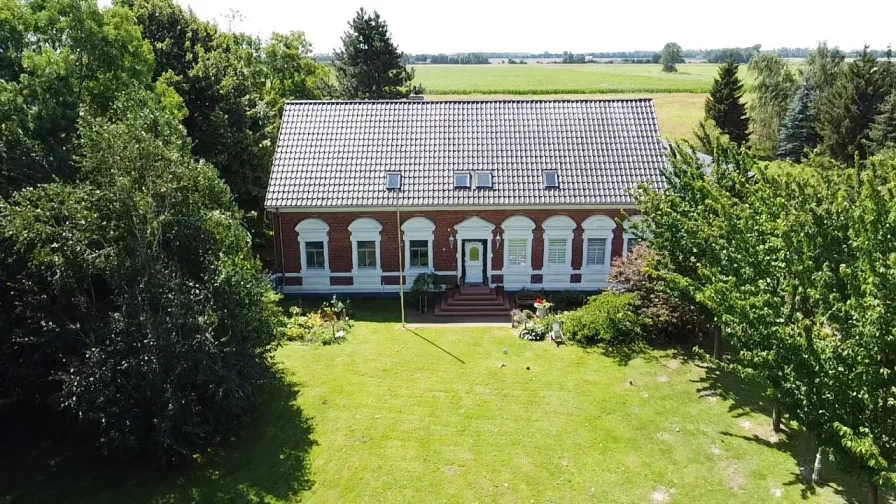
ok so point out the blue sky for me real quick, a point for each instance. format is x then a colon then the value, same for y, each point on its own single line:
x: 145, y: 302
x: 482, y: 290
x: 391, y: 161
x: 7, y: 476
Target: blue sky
x: 577, y: 26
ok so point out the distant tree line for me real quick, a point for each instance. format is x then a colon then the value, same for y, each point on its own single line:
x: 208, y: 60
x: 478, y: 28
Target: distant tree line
x: 451, y: 59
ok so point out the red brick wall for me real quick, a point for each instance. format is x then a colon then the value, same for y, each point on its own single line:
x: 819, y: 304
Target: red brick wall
x: 444, y: 257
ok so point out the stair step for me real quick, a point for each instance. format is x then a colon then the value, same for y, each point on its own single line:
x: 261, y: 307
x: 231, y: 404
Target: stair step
x: 473, y: 314
x: 475, y: 302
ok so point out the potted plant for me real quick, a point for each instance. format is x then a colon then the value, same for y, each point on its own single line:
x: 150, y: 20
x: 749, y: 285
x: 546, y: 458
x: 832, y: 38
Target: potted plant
x: 542, y: 307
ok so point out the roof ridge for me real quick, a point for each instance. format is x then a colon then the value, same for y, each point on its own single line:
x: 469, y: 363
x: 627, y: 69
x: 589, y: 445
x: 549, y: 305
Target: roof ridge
x: 500, y: 100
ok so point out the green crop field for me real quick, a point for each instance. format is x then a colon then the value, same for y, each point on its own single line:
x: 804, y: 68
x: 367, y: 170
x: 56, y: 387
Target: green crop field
x: 565, y: 79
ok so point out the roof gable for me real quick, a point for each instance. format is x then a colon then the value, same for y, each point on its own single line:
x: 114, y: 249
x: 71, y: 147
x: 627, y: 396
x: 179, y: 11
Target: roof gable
x: 336, y: 154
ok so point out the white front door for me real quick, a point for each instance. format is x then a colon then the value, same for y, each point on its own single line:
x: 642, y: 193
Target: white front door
x: 473, y: 262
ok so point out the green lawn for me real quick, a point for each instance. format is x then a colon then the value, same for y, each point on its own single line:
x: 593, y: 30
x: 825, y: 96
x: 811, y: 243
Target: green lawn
x: 427, y: 415
x: 566, y: 79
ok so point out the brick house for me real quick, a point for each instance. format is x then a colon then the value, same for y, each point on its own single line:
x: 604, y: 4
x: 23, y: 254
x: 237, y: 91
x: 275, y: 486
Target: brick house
x: 520, y: 194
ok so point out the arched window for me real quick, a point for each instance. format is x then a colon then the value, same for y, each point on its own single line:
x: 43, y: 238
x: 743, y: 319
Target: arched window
x: 597, y: 242
x: 518, y: 244
x: 632, y: 236
x: 418, y: 237
x: 558, y: 243
x: 315, y: 250
x: 366, y: 249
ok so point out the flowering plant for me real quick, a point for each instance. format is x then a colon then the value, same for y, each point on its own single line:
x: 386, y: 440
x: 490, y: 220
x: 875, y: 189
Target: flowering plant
x: 543, y: 303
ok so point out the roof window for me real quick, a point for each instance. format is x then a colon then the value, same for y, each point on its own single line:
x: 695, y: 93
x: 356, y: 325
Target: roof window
x: 393, y: 181
x: 483, y: 180
x: 551, y: 179
x: 462, y: 180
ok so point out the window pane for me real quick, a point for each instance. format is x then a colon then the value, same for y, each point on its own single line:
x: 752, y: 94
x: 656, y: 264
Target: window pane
x: 474, y: 254
x: 366, y: 254
x: 516, y: 253
x: 557, y: 251
x: 483, y: 179
x: 462, y: 179
x: 596, y: 252
x: 631, y: 244
x: 314, y: 255
x: 419, y: 253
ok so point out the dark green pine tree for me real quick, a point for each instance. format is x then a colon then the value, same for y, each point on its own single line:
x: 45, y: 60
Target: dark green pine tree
x: 369, y: 65
x: 725, y: 106
x: 883, y: 131
x: 848, y: 111
x: 798, y: 133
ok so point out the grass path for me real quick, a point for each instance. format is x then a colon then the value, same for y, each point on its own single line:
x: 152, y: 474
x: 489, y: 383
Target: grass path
x: 430, y: 415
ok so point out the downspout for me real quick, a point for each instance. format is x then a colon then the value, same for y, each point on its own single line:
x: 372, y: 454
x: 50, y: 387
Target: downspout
x: 400, y: 261
x: 282, y: 281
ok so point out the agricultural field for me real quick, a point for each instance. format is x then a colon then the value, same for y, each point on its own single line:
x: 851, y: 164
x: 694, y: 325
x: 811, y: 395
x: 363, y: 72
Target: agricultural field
x: 565, y: 79
x: 677, y: 113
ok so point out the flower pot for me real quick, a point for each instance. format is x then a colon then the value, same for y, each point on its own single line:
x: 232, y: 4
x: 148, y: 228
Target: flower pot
x: 541, y: 312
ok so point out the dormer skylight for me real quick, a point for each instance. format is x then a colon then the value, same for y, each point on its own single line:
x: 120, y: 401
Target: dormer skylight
x: 462, y: 180
x: 551, y: 179
x: 483, y: 180
x: 393, y: 181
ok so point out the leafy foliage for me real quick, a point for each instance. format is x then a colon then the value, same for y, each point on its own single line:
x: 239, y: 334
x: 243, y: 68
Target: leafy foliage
x: 725, y: 106
x: 609, y: 318
x: 137, y: 309
x: 774, y: 88
x: 369, y: 65
x: 796, y: 269
x: 671, y: 56
x: 664, y: 316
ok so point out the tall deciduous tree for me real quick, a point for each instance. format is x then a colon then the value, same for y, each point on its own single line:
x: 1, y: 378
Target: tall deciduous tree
x: 671, y: 56
x: 65, y: 58
x: 848, y: 111
x: 725, y: 106
x: 798, y: 135
x: 774, y: 87
x: 369, y: 65
x: 137, y: 309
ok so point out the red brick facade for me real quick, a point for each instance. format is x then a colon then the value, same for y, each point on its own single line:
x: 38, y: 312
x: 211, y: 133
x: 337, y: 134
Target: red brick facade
x: 444, y: 256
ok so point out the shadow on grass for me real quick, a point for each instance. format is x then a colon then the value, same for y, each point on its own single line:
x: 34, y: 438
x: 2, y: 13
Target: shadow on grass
x: 746, y: 398
x: 624, y: 354
x: 415, y: 333
x: 269, y: 460
x: 800, y: 445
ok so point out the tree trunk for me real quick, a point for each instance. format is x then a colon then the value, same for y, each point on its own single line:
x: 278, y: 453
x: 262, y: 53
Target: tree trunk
x: 872, y: 493
x: 717, y: 343
x: 776, y: 418
x: 816, y: 473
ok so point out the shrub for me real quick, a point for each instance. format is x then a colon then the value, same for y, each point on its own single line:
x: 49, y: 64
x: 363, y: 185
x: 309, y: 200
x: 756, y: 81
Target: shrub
x: 317, y: 327
x: 609, y: 318
x: 569, y: 300
x: 665, y: 317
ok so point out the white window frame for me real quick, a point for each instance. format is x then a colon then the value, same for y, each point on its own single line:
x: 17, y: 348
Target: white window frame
x: 558, y: 227
x: 366, y: 229
x: 469, y: 183
x: 556, y: 175
x: 518, y: 227
x: 389, y: 176
x: 418, y: 228
x: 314, y: 230
x: 629, y: 232
x: 596, y: 227
x: 488, y: 174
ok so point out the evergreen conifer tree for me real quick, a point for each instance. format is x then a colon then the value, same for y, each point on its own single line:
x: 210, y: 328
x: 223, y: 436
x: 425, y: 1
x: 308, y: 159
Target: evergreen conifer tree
x: 798, y: 133
x: 725, y: 106
x: 883, y: 131
x: 369, y: 65
x: 848, y: 111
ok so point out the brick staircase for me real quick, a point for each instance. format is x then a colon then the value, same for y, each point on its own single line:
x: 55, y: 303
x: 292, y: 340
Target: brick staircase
x: 474, y: 301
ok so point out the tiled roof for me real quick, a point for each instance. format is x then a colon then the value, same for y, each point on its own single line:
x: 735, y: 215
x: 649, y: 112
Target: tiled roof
x: 337, y: 154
